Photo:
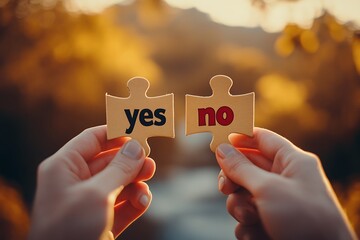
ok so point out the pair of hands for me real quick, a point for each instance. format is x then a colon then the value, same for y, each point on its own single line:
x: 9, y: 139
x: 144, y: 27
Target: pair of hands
x: 90, y: 189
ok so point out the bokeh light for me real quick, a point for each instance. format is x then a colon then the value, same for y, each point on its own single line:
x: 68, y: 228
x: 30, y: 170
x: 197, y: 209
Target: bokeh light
x: 301, y: 58
x: 272, y: 15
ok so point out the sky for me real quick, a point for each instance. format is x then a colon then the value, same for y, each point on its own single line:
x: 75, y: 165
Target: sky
x: 243, y: 13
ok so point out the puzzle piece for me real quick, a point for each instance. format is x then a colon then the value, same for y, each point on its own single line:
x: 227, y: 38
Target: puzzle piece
x: 139, y: 116
x: 221, y: 113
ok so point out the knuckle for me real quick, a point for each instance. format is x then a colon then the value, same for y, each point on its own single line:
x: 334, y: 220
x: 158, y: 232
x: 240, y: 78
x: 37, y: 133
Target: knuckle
x: 43, y: 167
x: 126, y: 167
x: 284, y: 155
x: 297, y: 157
x: 86, y: 131
x: 236, y: 166
x: 307, y: 159
x: 312, y: 158
x: 46, y: 167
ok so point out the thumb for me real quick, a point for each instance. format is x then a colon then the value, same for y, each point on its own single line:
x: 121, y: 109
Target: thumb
x: 122, y: 170
x: 240, y: 169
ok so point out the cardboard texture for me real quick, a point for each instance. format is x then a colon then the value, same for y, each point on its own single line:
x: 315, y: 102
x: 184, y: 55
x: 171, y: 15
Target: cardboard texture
x: 139, y: 116
x: 221, y: 113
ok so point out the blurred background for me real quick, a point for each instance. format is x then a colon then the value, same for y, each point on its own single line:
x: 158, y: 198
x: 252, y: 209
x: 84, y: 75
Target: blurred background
x: 59, y: 58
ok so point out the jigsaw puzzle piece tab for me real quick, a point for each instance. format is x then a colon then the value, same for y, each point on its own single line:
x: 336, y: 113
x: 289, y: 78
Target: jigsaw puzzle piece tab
x: 221, y: 113
x: 139, y: 116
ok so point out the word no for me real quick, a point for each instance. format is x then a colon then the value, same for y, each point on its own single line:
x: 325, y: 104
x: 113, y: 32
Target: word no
x: 224, y: 116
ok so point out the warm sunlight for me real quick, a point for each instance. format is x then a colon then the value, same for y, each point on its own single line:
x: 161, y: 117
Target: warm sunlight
x: 92, y: 6
x: 59, y: 58
x: 272, y: 16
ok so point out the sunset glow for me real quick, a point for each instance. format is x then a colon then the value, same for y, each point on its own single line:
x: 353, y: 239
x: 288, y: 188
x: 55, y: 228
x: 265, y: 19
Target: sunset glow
x: 272, y: 17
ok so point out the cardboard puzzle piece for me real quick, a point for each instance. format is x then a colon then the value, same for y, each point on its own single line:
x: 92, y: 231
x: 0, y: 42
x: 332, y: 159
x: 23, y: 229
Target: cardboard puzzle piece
x: 221, y: 113
x: 139, y: 116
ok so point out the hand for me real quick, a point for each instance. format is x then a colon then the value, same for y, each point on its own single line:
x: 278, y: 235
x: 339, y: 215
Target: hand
x: 90, y: 189
x: 278, y: 191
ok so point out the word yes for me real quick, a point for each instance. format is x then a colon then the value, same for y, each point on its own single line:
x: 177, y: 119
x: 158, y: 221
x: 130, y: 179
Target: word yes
x: 146, y: 117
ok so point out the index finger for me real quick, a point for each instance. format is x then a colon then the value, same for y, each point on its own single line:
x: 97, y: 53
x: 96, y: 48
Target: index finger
x: 91, y: 142
x: 266, y: 141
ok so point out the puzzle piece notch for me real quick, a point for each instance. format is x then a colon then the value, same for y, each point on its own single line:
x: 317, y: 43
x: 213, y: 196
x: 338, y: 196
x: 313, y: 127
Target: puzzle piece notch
x: 225, y: 113
x: 139, y: 116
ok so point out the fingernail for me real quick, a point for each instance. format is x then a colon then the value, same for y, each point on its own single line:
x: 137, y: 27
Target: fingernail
x: 221, y: 182
x: 226, y: 150
x: 132, y: 149
x: 144, y: 200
